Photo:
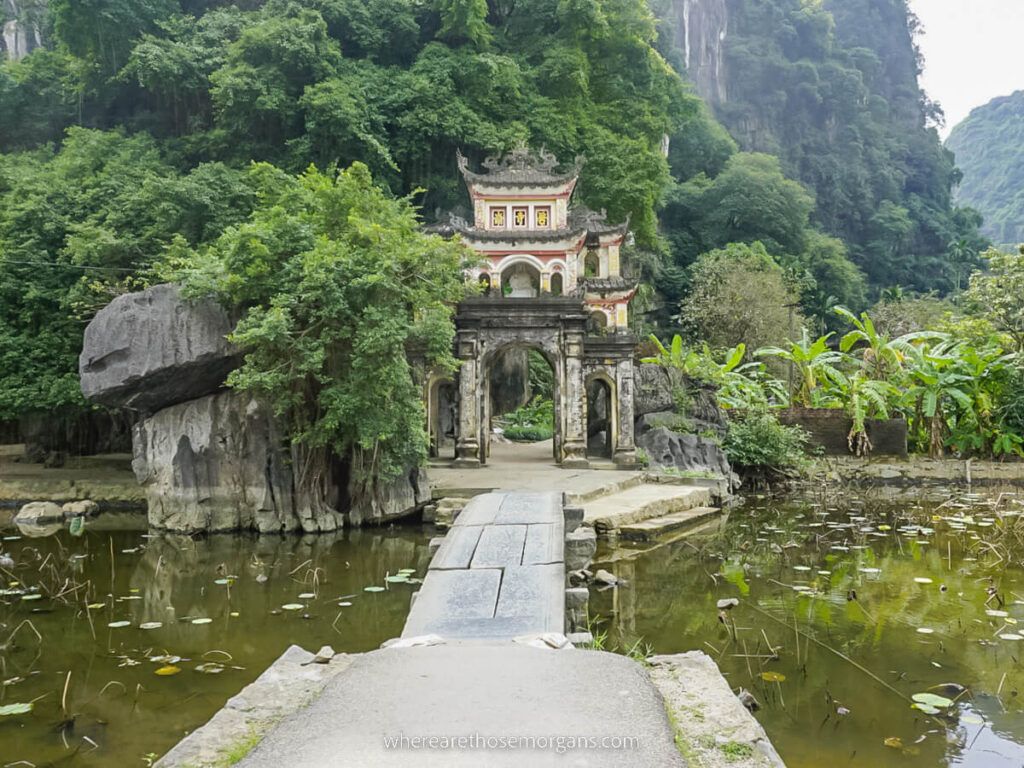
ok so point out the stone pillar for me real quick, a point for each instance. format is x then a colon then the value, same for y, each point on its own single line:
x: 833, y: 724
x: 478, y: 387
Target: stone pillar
x: 625, y: 447
x: 574, y: 397
x: 467, y: 444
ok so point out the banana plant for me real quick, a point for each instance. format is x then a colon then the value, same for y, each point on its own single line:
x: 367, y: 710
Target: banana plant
x: 864, y: 398
x: 881, y: 356
x: 938, y: 391
x: 814, y: 361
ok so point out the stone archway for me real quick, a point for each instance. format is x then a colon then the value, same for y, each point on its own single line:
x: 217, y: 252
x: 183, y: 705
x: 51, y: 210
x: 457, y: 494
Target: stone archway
x: 554, y: 326
x: 490, y: 368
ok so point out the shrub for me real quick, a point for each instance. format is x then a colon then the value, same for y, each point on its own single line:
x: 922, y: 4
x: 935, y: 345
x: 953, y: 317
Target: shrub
x: 759, y: 445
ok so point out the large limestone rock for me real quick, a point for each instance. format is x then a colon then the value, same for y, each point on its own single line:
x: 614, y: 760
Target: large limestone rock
x: 403, y: 496
x: 666, y: 448
x: 217, y: 464
x: 151, y: 349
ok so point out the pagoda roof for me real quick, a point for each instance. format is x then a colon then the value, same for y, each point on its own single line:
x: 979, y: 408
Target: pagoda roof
x: 520, y: 168
x: 581, y: 217
x: 605, y: 285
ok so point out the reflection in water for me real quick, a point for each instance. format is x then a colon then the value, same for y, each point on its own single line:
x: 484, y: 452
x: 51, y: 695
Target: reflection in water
x: 240, y: 583
x: 856, y: 587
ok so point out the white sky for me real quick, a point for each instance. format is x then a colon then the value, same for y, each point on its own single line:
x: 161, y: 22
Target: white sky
x: 974, y: 51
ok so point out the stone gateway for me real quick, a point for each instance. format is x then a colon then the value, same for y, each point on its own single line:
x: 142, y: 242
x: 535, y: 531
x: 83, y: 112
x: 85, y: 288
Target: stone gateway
x: 551, y: 272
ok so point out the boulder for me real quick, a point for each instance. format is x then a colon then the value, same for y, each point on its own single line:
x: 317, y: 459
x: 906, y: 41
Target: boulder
x: 39, y: 512
x: 217, y: 464
x: 83, y: 508
x: 382, y: 502
x: 152, y: 349
x: 652, y: 390
x: 686, y: 453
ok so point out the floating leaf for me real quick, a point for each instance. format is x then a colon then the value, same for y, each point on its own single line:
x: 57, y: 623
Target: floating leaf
x: 373, y: 589
x: 33, y: 596
x: 21, y: 708
x: 871, y: 570
x: 119, y: 624
x: 210, y: 668
x: 925, y: 630
x: 202, y: 621
x: 928, y: 710
x: 1011, y: 636
x: 222, y: 582
x: 77, y: 527
x: 409, y: 571
x: 167, y: 671
x: 96, y: 606
x: 773, y: 677
x: 801, y: 568
x: 344, y: 604
x: 151, y: 625
x: 922, y: 580
x: 400, y: 578
x: 932, y: 700
x: 293, y: 606
x: 307, y: 596
x: 728, y: 603
x: 994, y: 613
x: 234, y: 614
x: 972, y: 719
x: 893, y: 741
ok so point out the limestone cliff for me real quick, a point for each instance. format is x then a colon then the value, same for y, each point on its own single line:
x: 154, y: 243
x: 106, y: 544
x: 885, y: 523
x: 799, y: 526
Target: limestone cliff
x: 22, y: 27
x: 698, y: 30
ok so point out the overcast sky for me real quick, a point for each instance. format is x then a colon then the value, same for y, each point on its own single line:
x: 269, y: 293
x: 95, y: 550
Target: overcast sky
x: 974, y: 51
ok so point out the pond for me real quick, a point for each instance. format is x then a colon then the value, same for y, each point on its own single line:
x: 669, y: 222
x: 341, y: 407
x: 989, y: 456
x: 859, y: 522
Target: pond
x: 847, y: 610
x: 124, y: 641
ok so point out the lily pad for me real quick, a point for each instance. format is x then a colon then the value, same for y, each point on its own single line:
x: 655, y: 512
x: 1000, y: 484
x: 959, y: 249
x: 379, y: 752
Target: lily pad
x: 925, y: 630
x: 306, y: 596
x: 773, y: 677
x: 893, y: 741
x: 210, y: 668
x: 344, y: 604
x: 34, y: 596
x: 932, y: 700
x: 928, y: 710
x: 922, y: 580
x: 222, y: 582
x: 399, y: 578
x: 21, y: 708
x: 96, y: 606
x: 202, y: 621
x: 119, y: 624
x: 167, y: 671
x: 1011, y: 636
x: 293, y: 606
x: 728, y: 603
x: 991, y: 612
x: 373, y: 589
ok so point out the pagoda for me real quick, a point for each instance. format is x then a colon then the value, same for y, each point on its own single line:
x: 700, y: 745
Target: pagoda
x: 536, y: 241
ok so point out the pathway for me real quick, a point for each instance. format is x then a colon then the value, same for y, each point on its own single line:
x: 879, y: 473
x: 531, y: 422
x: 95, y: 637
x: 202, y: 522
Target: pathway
x: 500, y: 572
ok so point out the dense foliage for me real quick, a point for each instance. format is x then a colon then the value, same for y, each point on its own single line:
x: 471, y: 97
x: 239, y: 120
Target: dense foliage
x: 831, y: 89
x: 336, y: 284
x: 989, y: 147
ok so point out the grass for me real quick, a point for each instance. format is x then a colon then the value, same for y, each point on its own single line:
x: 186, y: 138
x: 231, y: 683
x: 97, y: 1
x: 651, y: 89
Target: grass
x: 734, y: 751
x: 237, y: 752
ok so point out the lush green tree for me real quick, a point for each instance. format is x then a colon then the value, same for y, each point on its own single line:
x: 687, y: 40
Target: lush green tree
x: 997, y: 293
x: 337, y: 284
x: 739, y: 294
x: 75, y: 226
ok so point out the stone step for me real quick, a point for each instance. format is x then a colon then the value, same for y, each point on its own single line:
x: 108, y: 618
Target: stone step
x: 622, y: 483
x: 643, y: 502
x: 649, y: 530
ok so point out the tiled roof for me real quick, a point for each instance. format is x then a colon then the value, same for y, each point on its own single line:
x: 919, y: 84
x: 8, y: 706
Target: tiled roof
x: 521, y: 168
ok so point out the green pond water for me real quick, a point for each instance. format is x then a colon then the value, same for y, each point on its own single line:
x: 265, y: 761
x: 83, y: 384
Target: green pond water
x: 903, y: 591
x: 219, y: 602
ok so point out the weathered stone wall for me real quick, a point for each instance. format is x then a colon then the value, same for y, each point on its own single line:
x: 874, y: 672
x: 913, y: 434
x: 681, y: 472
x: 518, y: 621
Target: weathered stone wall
x: 152, y: 349
x: 829, y: 430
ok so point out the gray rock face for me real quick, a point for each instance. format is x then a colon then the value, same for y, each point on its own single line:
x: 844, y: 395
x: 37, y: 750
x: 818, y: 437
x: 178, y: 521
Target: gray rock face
x: 652, y: 390
x: 403, y: 496
x: 687, y: 453
x: 216, y: 464
x: 152, y: 349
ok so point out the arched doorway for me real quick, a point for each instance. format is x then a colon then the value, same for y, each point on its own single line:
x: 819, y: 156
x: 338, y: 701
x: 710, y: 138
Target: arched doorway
x: 537, y: 417
x: 442, y: 417
x: 601, y: 411
x: 557, y: 284
x: 520, y: 280
x: 485, y: 284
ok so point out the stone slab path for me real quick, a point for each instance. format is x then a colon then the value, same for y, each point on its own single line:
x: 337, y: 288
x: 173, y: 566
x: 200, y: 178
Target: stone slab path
x: 499, y: 574
x: 481, y: 693
x: 643, y: 502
